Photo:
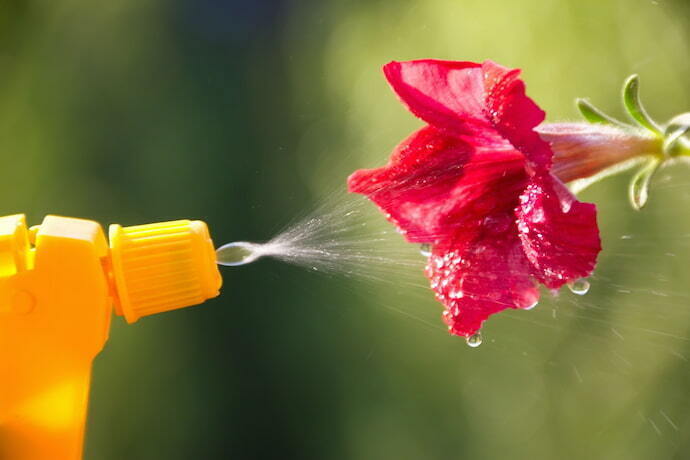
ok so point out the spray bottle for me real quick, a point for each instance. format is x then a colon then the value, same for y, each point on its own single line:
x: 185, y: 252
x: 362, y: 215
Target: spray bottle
x: 59, y: 285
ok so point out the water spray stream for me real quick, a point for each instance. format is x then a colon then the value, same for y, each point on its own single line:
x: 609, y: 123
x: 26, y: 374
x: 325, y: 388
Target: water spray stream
x: 343, y: 236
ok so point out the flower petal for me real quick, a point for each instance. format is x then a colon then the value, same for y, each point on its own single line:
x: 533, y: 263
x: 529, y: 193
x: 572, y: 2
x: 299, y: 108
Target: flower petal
x: 445, y: 94
x: 559, y: 234
x: 436, y: 186
x: 476, y: 278
x: 515, y: 115
x: 414, y: 187
x: 483, y: 102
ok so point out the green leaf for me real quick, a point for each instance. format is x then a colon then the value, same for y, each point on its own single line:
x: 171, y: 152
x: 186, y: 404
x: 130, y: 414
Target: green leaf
x: 594, y: 115
x: 638, y: 190
x: 631, y: 99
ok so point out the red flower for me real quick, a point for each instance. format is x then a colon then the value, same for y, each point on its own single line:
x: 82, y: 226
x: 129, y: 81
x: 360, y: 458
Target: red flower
x: 476, y: 185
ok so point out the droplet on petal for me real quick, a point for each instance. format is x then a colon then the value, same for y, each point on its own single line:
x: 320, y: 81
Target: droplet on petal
x: 579, y: 287
x: 456, y: 294
x: 425, y: 249
x: 474, y: 340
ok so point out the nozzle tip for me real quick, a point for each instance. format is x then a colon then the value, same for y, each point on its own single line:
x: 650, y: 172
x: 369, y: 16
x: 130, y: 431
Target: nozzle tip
x: 237, y: 253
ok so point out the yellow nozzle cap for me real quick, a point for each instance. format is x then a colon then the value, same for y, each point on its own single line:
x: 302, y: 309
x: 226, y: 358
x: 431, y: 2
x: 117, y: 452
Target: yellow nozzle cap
x: 161, y: 267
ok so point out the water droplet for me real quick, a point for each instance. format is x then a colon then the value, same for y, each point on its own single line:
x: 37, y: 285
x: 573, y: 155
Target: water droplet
x: 425, y: 249
x: 537, y: 216
x: 456, y: 294
x: 579, y: 287
x: 532, y: 306
x: 474, y: 340
x: 237, y: 253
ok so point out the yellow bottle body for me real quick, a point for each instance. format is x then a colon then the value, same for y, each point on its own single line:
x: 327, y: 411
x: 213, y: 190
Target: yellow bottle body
x: 57, y: 292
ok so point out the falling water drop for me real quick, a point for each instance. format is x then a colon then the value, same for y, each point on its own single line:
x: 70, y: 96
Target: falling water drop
x: 425, y: 249
x: 579, y: 287
x: 536, y: 302
x: 237, y: 253
x: 474, y: 340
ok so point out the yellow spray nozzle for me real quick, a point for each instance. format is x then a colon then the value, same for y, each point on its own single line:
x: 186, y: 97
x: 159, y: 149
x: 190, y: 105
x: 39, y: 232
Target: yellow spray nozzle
x: 58, y: 284
x: 162, y: 267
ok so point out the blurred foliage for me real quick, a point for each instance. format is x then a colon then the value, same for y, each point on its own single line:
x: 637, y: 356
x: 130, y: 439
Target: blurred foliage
x: 245, y: 114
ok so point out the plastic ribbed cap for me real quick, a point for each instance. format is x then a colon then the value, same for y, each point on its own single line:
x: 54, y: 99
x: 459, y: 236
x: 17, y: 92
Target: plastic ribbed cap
x: 162, y: 267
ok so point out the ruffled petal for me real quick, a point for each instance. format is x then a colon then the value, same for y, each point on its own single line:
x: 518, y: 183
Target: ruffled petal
x: 436, y: 186
x: 413, y: 189
x: 445, y: 94
x: 482, y: 102
x: 476, y: 278
x: 515, y: 115
x: 559, y: 234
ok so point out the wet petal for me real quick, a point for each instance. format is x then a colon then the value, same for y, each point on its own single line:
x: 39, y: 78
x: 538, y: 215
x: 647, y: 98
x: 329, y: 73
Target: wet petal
x: 413, y: 189
x: 476, y: 278
x: 559, y: 234
x: 436, y: 186
x: 446, y: 94
x: 481, y: 102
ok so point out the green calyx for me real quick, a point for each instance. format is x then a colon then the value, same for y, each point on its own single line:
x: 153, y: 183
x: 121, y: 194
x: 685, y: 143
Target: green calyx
x: 634, y: 107
x: 638, y: 190
x: 676, y: 142
x: 674, y: 137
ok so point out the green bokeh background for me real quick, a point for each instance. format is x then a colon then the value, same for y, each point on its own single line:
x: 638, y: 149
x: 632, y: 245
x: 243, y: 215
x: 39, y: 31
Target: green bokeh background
x: 246, y: 114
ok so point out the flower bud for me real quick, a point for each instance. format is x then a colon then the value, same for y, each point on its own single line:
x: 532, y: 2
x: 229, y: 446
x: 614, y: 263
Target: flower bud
x: 582, y: 150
